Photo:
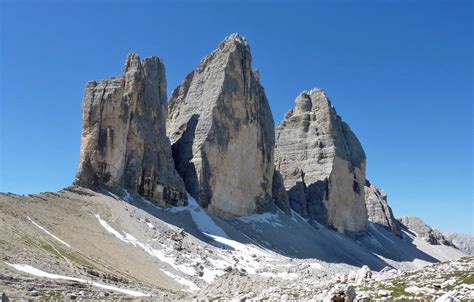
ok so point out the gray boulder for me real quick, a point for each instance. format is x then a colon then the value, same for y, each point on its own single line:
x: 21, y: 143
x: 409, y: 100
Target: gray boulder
x: 124, y: 143
x: 322, y: 164
x: 222, y: 132
x: 378, y: 210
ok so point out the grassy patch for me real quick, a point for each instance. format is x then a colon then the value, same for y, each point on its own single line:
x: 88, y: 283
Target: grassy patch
x: 59, y: 252
x: 397, y: 288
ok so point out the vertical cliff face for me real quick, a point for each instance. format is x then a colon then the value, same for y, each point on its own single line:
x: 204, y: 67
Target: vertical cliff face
x: 378, y: 210
x: 322, y: 164
x: 222, y: 132
x: 124, y: 143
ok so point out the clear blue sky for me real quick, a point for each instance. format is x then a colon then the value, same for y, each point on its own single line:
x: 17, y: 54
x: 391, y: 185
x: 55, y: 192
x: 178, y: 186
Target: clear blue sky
x: 399, y: 72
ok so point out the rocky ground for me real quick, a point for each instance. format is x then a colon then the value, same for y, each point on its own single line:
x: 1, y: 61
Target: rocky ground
x: 79, y: 244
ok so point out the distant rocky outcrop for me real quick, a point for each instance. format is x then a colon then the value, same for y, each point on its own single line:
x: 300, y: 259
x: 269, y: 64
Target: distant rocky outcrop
x: 124, y: 143
x: 463, y: 242
x: 378, y: 210
x: 322, y: 164
x: 221, y: 129
x: 422, y: 230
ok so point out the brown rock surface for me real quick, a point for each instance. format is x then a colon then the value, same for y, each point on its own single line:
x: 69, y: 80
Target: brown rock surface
x: 124, y: 143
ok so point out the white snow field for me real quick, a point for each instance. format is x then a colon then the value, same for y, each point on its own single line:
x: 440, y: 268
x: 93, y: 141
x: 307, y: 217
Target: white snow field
x: 39, y: 273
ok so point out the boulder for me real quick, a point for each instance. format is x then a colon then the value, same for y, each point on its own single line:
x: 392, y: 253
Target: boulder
x: 341, y: 293
x: 363, y: 275
x: 222, y: 132
x: 378, y: 210
x: 322, y: 164
x: 124, y: 143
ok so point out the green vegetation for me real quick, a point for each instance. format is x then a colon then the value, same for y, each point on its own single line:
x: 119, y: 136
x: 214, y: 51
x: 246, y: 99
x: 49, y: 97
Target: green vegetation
x: 59, y: 252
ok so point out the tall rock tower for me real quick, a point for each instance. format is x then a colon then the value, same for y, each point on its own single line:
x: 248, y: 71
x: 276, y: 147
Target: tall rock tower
x: 124, y: 143
x: 222, y: 132
x: 322, y: 164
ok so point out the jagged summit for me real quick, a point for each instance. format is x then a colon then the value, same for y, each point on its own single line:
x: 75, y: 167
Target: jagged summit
x: 308, y: 101
x: 237, y: 38
x: 322, y: 164
x: 124, y: 143
x: 424, y: 231
x: 132, y: 62
x: 221, y: 128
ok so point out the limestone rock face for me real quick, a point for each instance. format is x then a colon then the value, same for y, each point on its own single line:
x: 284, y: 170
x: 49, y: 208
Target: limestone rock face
x: 463, y: 242
x: 221, y: 129
x: 378, y: 210
x: 124, y: 143
x: 322, y: 164
x: 422, y: 230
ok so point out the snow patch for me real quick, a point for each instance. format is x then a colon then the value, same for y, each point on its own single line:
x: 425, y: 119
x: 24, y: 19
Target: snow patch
x: 203, y: 221
x: 316, y: 266
x: 210, y: 275
x: 39, y: 273
x: 127, y: 196
x: 130, y: 239
x: 269, y: 218
x: 110, y: 229
x: 295, y: 215
x: 47, y: 232
x: 280, y: 275
x: 182, y: 281
x: 113, y: 195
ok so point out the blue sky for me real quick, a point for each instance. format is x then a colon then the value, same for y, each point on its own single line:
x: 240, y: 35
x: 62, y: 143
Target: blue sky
x: 399, y: 72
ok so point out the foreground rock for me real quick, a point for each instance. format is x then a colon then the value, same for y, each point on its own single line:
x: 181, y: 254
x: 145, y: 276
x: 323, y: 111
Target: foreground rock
x: 221, y: 129
x: 124, y: 143
x: 322, y: 164
x: 378, y: 210
x: 422, y: 230
x: 184, y: 253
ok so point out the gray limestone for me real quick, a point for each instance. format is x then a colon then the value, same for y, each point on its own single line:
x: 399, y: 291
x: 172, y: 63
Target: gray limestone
x: 222, y: 132
x: 322, y: 164
x: 422, y: 230
x: 124, y: 143
x: 378, y: 209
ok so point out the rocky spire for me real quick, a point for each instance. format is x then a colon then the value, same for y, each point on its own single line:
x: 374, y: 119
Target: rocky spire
x: 378, y: 210
x: 124, y: 143
x: 322, y: 164
x: 221, y: 129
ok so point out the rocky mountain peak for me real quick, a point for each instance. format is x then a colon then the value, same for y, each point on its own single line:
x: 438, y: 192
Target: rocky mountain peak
x: 124, y: 143
x: 235, y: 38
x: 322, y: 163
x: 423, y: 230
x: 313, y: 100
x: 132, y: 63
x: 221, y: 128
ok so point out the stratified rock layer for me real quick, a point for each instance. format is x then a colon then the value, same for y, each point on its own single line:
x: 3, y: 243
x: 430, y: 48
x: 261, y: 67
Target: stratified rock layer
x: 221, y: 129
x: 422, y: 230
x: 322, y: 164
x: 378, y: 210
x: 124, y: 143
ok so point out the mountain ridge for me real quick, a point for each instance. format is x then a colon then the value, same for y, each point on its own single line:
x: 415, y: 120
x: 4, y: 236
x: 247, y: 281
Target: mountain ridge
x: 202, y: 197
